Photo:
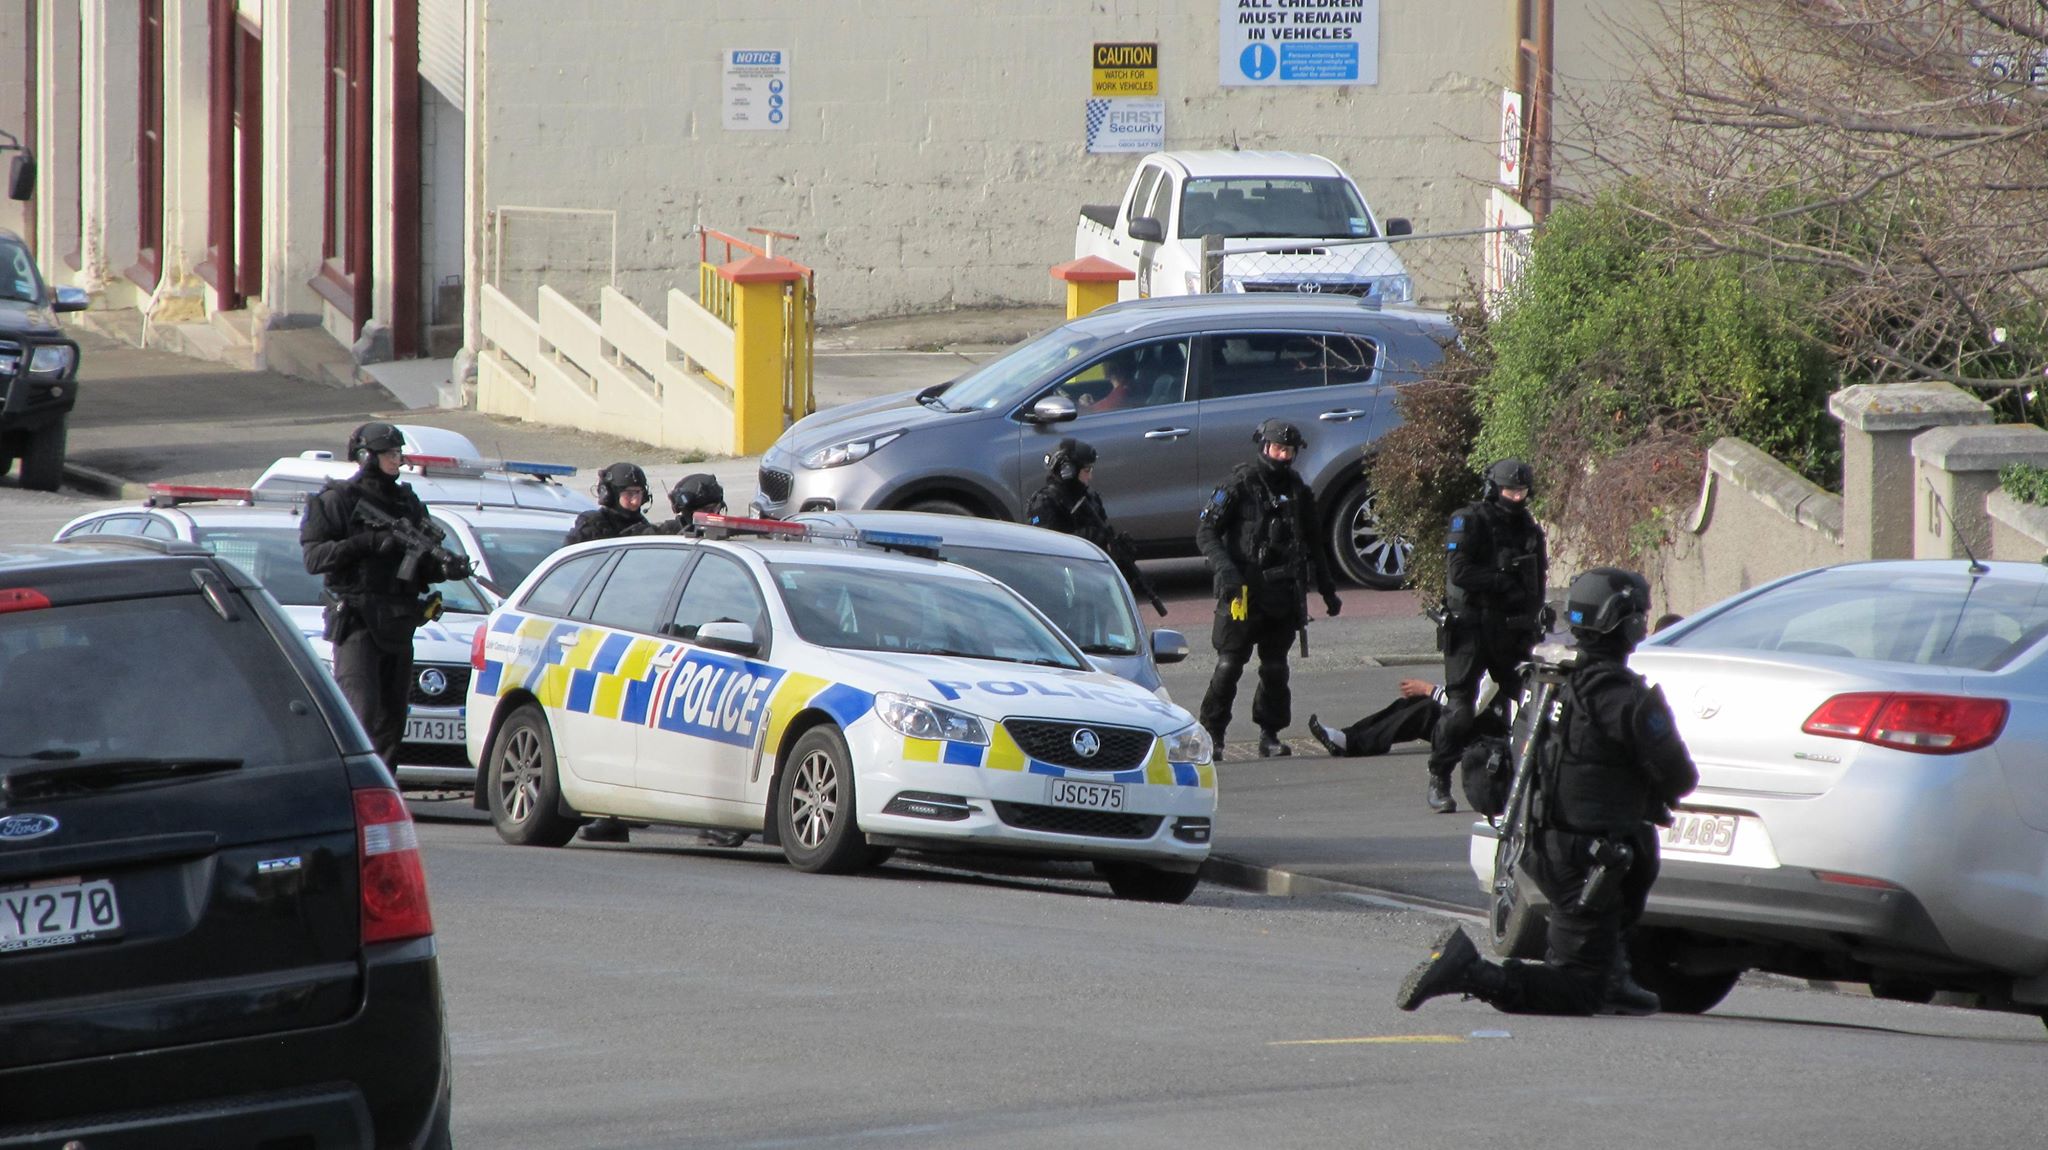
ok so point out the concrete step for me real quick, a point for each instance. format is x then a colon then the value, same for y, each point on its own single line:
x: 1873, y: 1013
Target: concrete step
x: 206, y: 340
x: 309, y: 353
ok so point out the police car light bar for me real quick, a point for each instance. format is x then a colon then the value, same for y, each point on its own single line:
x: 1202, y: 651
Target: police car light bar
x: 923, y: 546
x: 174, y: 494
x: 475, y: 468
x: 716, y: 526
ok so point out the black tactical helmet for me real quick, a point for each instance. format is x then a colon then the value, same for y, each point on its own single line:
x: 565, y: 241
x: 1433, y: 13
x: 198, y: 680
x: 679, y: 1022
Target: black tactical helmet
x: 617, y: 478
x: 694, y: 493
x: 1608, y: 601
x: 1509, y: 473
x: 1281, y: 432
x: 372, y: 438
x: 1065, y: 461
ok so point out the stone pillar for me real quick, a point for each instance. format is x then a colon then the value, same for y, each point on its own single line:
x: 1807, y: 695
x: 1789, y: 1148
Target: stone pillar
x: 1091, y: 283
x: 1879, y: 422
x: 1955, y: 469
x: 759, y: 314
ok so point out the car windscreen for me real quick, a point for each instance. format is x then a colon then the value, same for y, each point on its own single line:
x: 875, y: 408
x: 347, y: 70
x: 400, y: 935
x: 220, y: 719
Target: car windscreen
x: 1308, y: 208
x: 1083, y: 597
x: 1939, y: 619
x: 272, y: 556
x: 18, y: 279
x: 1007, y: 379
x: 860, y: 609
x: 513, y: 552
x: 164, y: 677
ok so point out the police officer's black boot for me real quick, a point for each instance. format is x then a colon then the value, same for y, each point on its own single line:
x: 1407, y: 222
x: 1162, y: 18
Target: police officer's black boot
x: 1624, y: 995
x: 606, y: 831
x: 1439, y: 797
x: 1270, y: 745
x: 1453, y: 967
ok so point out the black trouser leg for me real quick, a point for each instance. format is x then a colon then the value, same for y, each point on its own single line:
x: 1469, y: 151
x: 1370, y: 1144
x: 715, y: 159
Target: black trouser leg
x: 1580, y: 947
x: 1222, y: 693
x: 1403, y: 720
x: 375, y: 682
x: 1273, y: 701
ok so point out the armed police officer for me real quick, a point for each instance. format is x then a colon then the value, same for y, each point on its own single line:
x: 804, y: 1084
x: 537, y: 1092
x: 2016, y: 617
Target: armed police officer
x: 699, y: 491
x: 377, y: 583
x: 1068, y: 504
x: 1493, y: 610
x: 1260, y: 536
x: 1609, y: 765
x: 621, y: 492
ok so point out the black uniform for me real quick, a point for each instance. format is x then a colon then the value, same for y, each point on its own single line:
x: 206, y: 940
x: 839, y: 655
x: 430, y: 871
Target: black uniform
x: 1260, y: 536
x: 1497, y: 572
x: 1071, y: 507
x: 610, y: 523
x: 1404, y: 720
x: 373, y: 612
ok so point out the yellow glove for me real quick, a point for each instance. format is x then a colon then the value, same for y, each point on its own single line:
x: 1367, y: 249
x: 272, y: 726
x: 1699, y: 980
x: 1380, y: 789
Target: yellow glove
x: 1241, y: 605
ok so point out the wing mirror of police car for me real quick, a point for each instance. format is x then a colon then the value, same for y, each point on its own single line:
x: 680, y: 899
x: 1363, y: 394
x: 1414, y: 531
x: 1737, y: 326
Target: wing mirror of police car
x: 1169, y: 646
x: 1052, y: 409
x: 72, y: 299
x: 1146, y: 230
x: 726, y: 635
x: 21, y: 177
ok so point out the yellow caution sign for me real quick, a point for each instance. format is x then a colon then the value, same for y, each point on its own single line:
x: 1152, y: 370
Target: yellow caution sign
x: 1126, y: 70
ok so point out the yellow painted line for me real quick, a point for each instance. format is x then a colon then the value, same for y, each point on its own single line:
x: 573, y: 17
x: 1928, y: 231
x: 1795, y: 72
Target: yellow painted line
x: 1382, y: 1040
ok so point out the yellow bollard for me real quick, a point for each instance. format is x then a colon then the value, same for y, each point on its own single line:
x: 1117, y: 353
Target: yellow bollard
x: 759, y: 361
x: 1091, y: 283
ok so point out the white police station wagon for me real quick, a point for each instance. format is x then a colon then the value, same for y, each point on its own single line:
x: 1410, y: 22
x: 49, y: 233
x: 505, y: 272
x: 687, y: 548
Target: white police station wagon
x: 841, y: 702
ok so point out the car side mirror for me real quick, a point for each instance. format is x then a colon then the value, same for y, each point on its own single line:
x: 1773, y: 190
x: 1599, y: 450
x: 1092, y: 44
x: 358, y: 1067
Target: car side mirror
x: 1168, y: 646
x: 72, y: 299
x: 1399, y: 226
x: 1146, y: 229
x: 726, y: 635
x: 21, y: 177
x: 1052, y: 409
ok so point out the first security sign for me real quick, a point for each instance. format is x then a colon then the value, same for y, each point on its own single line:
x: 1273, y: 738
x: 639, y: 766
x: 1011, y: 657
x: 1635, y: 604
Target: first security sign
x: 1268, y: 43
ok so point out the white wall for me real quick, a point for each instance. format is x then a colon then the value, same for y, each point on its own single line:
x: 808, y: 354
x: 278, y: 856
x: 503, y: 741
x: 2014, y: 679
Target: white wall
x: 14, y: 49
x: 935, y: 157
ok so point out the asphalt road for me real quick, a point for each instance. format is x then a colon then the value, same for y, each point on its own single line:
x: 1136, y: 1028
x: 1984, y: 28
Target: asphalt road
x: 716, y: 998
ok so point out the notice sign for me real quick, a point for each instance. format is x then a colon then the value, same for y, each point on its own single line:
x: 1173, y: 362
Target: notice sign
x: 1125, y: 70
x: 757, y: 90
x: 1126, y: 125
x: 1511, y: 139
x: 1268, y: 43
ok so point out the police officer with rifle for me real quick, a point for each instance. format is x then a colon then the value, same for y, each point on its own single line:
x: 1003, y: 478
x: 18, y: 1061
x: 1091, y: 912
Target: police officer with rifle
x: 1599, y: 761
x: 621, y: 492
x: 1068, y: 504
x: 1493, y: 611
x: 1259, y: 533
x: 378, y: 553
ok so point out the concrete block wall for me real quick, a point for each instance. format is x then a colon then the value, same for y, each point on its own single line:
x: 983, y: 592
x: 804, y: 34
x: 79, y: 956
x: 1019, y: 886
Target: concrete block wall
x: 1756, y: 520
x: 936, y: 157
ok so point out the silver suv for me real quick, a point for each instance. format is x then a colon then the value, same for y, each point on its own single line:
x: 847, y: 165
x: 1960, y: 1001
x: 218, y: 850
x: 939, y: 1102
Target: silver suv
x: 1168, y: 390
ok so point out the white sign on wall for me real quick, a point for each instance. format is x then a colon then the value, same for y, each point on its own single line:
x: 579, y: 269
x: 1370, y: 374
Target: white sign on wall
x: 1506, y: 251
x: 1125, y: 125
x: 1511, y: 139
x: 1270, y: 43
x: 757, y: 90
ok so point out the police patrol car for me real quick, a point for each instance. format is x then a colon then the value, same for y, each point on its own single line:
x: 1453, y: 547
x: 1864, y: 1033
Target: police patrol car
x: 439, y: 478
x: 261, y: 535
x: 841, y: 702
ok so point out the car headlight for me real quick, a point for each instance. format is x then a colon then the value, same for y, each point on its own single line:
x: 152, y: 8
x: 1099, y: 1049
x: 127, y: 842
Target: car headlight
x: 1190, y: 744
x: 1397, y: 289
x: 51, y: 359
x: 917, y: 719
x: 849, y: 451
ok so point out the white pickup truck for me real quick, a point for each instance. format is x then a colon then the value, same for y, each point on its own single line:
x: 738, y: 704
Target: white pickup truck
x: 1313, y: 228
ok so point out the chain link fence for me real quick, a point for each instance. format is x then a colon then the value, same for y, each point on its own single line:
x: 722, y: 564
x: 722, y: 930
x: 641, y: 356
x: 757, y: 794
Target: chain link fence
x: 1426, y: 269
x: 575, y: 251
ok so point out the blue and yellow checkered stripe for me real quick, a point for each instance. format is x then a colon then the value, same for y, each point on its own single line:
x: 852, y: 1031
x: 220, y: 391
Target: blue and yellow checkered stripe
x: 1003, y: 754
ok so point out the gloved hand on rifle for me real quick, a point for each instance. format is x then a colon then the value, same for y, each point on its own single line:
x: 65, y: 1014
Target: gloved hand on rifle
x: 457, y: 567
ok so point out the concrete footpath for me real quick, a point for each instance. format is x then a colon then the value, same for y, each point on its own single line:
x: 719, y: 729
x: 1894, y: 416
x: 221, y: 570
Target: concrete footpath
x: 1306, y: 824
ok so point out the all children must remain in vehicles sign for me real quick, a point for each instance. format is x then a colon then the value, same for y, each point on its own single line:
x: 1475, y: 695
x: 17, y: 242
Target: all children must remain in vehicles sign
x: 1266, y: 43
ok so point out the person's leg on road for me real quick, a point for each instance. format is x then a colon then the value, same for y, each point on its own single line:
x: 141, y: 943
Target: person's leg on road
x: 1272, y: 700
x: 1232, y: 639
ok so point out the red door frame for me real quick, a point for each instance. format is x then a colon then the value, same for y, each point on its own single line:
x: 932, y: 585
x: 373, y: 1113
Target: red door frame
x: 406, y: 321
x: 149, y: 148
x: 234, y: 224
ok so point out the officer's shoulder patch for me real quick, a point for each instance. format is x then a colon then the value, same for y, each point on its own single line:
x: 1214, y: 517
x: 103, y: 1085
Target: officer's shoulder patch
x: 1221, y: 497
x: 1457, y: 522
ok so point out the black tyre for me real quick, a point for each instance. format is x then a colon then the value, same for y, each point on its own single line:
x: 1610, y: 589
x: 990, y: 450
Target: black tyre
x: 1655, y: 960
x: 814, y: 810
x: 42, y: 465
x: 1515, y: 928
x: 1360, y: 547
x: 1901, y: 989
x: 1140, y: 883
x: 525, y: 792
x: 941, y: 507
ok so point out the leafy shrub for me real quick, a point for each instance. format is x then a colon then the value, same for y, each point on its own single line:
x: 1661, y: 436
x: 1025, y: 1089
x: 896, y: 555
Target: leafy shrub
x: 2024, y: 482
x: 1419, y: 471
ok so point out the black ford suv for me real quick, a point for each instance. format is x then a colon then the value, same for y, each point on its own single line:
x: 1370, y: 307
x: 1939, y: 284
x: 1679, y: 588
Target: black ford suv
x: 38, y: 367
x: 214, y: 928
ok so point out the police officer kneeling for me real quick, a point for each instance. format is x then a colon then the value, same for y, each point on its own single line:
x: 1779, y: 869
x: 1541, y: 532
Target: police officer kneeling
x: 373, y: 611
x: 1609, y: 764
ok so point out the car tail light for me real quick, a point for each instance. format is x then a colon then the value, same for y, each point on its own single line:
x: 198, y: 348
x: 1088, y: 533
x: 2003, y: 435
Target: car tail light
x: 476, y: 648
x: 394, y: 884
x: 22, y: 599
x: 1924, y: 724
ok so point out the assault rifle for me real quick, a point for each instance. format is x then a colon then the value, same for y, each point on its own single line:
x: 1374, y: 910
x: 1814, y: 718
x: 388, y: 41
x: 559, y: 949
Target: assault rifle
x: 1124, y: 554
x: 1553, y: 663
x: 422, y: 541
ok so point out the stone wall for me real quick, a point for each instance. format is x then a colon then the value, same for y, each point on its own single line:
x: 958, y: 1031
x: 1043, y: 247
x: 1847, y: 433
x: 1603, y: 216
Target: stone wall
x: 1756, y: 520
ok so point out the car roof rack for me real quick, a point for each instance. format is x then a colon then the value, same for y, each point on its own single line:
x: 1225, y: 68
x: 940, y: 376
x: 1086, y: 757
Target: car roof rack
x: 716, y: 526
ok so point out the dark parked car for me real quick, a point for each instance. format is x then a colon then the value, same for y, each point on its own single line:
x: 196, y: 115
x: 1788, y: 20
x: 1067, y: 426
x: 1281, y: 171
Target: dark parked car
x: 38, y: 367
x: 214, y: 927
x: 1167, y: 390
